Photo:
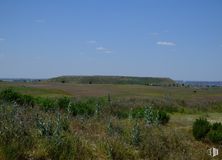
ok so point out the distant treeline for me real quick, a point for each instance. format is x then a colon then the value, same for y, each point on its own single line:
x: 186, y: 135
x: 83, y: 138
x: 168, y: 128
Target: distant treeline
x: 153, y: 81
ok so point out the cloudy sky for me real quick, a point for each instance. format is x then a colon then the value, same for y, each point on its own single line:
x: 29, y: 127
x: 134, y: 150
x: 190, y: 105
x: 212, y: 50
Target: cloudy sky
x: 160, y: 38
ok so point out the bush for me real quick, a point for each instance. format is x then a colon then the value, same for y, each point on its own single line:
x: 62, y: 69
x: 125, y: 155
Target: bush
x: 163, y: 117
x: 25, y: 100
x: 200, y: 128
x: 9, y: 95
x: 155, y: 116
x: 138, y: 113
x: 215, y: 136
x: 63, y: 102
x: 217, y: 126
x: 82, y: 108
x: 152, y: 116
x: 46, y: 104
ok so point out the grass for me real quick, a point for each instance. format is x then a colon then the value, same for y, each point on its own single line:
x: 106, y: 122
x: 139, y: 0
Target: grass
x: 108, y: 133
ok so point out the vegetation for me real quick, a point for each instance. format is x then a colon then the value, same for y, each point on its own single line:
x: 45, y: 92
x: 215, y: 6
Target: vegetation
x: 36, y: 124
x: 200, y: 128
x: 113, y: 80
x: 203, y: 130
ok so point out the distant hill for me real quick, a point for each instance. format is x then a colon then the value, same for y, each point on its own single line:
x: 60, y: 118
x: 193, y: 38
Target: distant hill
x: 112, y: 80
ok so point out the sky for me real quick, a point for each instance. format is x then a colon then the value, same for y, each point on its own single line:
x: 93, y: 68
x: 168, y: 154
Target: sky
x: 149, y: 38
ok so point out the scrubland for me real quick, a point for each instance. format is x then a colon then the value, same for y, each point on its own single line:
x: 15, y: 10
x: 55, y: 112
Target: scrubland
x: 91, y: 121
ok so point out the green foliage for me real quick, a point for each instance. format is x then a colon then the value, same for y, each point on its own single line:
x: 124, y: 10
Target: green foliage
x: 215, y: 136
x: 25, y: 100
x: 47, y: 104
x: 88, y: 107
x: 217, y: 126
x: 151, y: 116
x: 138, y: 113
x: 163, y: 117
x: 82, y: 108
x: 9, y: 95
x: 200, y: 128
x: 63, y: 102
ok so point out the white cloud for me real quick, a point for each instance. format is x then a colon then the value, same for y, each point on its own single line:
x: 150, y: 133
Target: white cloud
x: 155, y: 34
x: 166, y: 43
x: 103, y: 50
x: 39, y: 21
x: 92, y: 42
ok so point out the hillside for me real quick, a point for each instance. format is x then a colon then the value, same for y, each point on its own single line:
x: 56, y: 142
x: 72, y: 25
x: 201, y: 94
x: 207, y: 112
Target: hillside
x: 112, y: 80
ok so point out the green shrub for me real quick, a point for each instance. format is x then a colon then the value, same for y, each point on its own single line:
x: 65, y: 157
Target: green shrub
x: 200, y: 128
x: 138, y: 112
x: 153, y: 116
x: 215, y: 136
x: 47, y: 104
x: 9, y: 95
x: 82, y: 108
x: 163, y: 117
x: 25, y: 100
x: 217, y: 126
x: 63, y: 102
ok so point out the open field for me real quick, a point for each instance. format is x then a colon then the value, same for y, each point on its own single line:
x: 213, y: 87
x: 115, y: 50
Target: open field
x: 105, y: 129
x: 116, y: 90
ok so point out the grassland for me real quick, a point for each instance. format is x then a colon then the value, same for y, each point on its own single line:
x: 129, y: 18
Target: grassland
x: 108, y: 135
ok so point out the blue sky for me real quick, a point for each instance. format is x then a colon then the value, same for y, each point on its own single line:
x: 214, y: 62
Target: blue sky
x: 160, y: 38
